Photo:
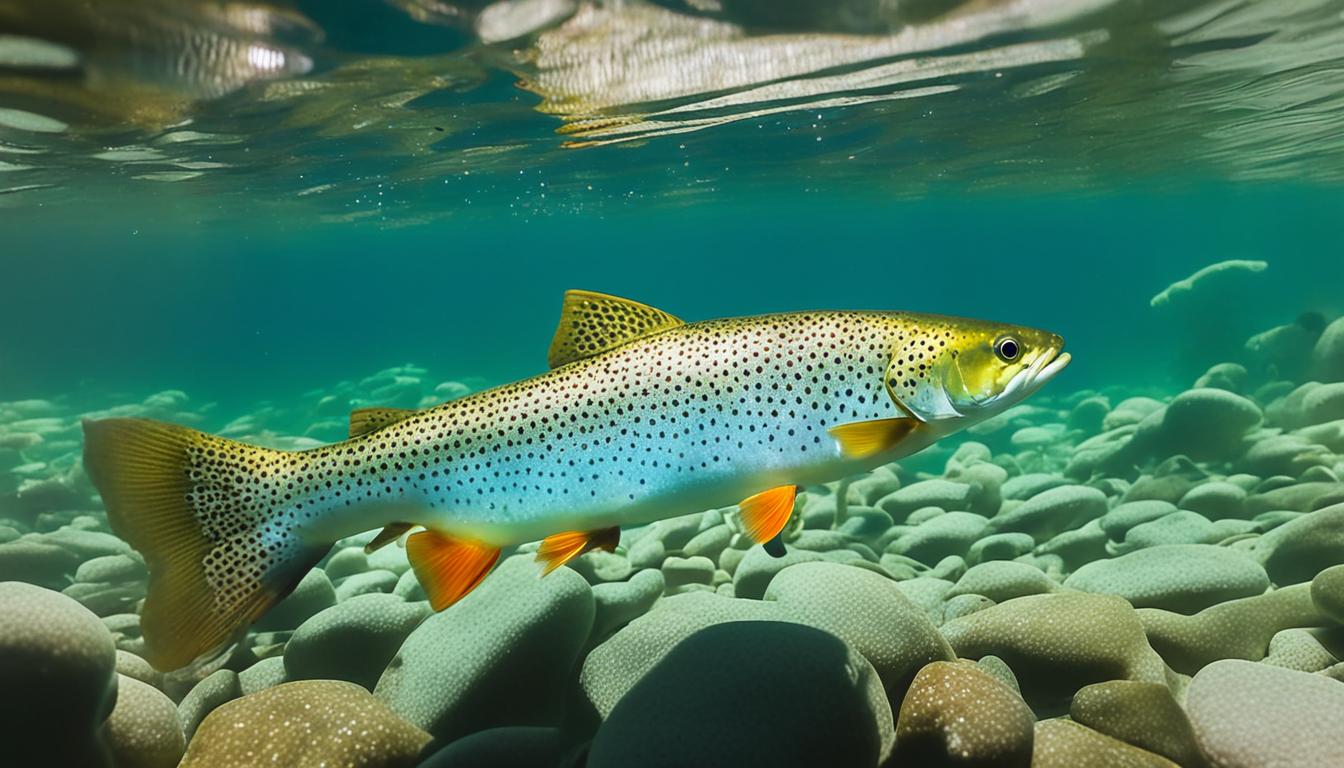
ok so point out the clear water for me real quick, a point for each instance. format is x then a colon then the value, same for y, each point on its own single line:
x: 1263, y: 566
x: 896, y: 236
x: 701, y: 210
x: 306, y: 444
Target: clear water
x: 252, y: 218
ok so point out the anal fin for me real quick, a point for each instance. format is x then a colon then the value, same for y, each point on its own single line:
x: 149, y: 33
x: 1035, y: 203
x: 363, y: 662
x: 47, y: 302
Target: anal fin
x: 862, y: 439
x: 448, y: 567
x: 765, y: 514
x: 559, y: 548
x: 386, y: 536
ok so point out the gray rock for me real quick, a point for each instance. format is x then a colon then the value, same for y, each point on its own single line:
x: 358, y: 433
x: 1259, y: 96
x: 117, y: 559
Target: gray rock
x: 370, y: 582
x: 1023, y: 487
x: 87, y: 545
x: 460, y: 671
x: 1052, y: 512
x: 1184, y: 578
x: 1123, y: 517
x: 1298, y: 550
x: 505, y: 747
x: 266, y: 673
x: 1215, y: 500
x: 143, y: 730
x: 219, y: 687
x: 1327, y: 358
x: 313, y: 594
x: 945, y: 494
x: 1002, y: 580
x: 115, y: 569
x: 618, y: 603
x: 679, y: 571
x: 704, y: 684
x: 353, y: 640
x: 1207, y: 424
x: 758, y: 567
x: 61, y: 657
x: 32, y: 560
x: 346, y: 562
x: 1248, y: 714
x: 1000, y: 546
x: 949, y: 534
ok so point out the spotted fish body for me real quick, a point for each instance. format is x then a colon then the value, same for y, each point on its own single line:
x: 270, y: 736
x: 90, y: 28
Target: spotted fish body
x: 641, y: 418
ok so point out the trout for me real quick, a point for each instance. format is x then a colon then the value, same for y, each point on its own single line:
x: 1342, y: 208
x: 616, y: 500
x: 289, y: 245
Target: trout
x: 641, y: 417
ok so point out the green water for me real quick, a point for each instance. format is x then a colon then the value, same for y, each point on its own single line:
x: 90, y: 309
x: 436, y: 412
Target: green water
x: 253, y: 218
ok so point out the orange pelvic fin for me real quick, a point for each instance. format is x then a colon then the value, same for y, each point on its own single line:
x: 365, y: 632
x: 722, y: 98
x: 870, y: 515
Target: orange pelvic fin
x: 448, y: 567
x: 862, y: 439
x: 765, y: 514
x: 559, y: 548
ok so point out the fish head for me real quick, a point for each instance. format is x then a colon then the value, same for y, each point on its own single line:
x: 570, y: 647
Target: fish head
x: 945, y: 368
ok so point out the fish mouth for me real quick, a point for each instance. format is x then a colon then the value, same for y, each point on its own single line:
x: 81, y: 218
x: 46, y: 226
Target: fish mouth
x: 1044, y: 368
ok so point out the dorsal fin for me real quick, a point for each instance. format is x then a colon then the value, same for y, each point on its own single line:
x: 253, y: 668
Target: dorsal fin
x: 366, y: 420
x: 592, y: 323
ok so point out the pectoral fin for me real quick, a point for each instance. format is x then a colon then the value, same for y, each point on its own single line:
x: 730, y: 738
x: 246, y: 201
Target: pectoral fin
x: 386, y: 536
x: 861, y: 439
x: 559, y: 548
x: 765, y: 514
x: 448, y: 567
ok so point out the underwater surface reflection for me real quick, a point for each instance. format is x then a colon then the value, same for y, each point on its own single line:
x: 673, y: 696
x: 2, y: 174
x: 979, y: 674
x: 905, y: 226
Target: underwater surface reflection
x: 899, y: 98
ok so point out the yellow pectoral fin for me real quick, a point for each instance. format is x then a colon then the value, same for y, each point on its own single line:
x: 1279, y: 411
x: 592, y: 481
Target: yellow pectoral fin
x: 559, y: 548
x: 765, y: 514
x: 862, y: 439
x: 447, y: 567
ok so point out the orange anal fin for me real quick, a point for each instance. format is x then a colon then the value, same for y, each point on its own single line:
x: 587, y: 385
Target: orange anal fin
x: 765, y: 514
x: 447, y: 567
x: 386, y: 536
x: 559, y: 548
x: 862, y: 439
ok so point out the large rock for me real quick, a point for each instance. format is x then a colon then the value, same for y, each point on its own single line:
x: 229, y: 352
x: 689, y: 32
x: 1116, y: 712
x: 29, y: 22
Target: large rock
x: 1058, y: 643
x: 1248, y: 715
x: 1066, y: 744
x: 1002, y: 580
x: 728, y: 694
x: 1052, y: 512
x: 1207, y: 424
x: 219, y: 687
x: 957, y: 715
x: 1237, y: 629
x: 462, y: 669
x: 311, y: 722
x: 1185, y: 578
x: 509, y: 747
x: 617, y: 603
x: 1298, y: 550
x: 32, y: 560
x: 143, y: 730
x: 57, y: 671
x: 1140, y: 713
x: 948, y: 534
x: 313, y: 594
x: 1327, y: 359
x: 353, y: 640
x: 944, y: 494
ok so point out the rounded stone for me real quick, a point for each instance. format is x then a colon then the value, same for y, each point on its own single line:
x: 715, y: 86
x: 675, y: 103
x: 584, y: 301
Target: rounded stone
x: 1249, y: 715
x: 1123, y: 517
x: 460, y: 670
x: 143, y: 730
x: 1000, y: 546
x: 956, y: 715
x: 62, y: 659
x: 1207, y: 424
x: 29, y: 559
x: 311, y: 722
x: 1298, y: 550
x: 939, y: 537
x: 1002, y: 580
x: 679, y: 571
x: 705, y: 683
x: 1066, y: 744
x: 1215, y: 500
x: 504, y: 747
x: 346, y: 562
x: 759, y: 567
x: 1058, y: 643
x: 1327, y: 592
x: 1052, y: 512
x: 617, y: 603
x: 114, y: 569
x: 353, y: 640
x: 1140, y: 713
x: 945, y: 494
x: 217, y: 688
x: 1327, y: 358
x: 367, y: 583
x: 313, y: 594
x: 1185, y: 578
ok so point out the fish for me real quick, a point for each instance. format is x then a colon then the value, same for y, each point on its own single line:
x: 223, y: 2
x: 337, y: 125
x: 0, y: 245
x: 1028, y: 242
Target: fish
x: 641, y: 416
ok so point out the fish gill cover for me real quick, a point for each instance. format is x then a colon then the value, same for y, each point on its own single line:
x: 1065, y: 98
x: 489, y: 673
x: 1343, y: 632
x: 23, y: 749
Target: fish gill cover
x: 311, y: 233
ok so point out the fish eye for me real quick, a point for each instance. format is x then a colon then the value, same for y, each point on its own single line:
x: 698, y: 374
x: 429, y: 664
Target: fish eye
x: 1007, y: 349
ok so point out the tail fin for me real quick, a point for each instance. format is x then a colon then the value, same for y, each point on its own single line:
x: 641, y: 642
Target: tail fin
x: 202, y: 510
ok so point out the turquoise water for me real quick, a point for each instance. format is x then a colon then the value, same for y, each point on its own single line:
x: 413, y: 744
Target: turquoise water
x: 254, y: 218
